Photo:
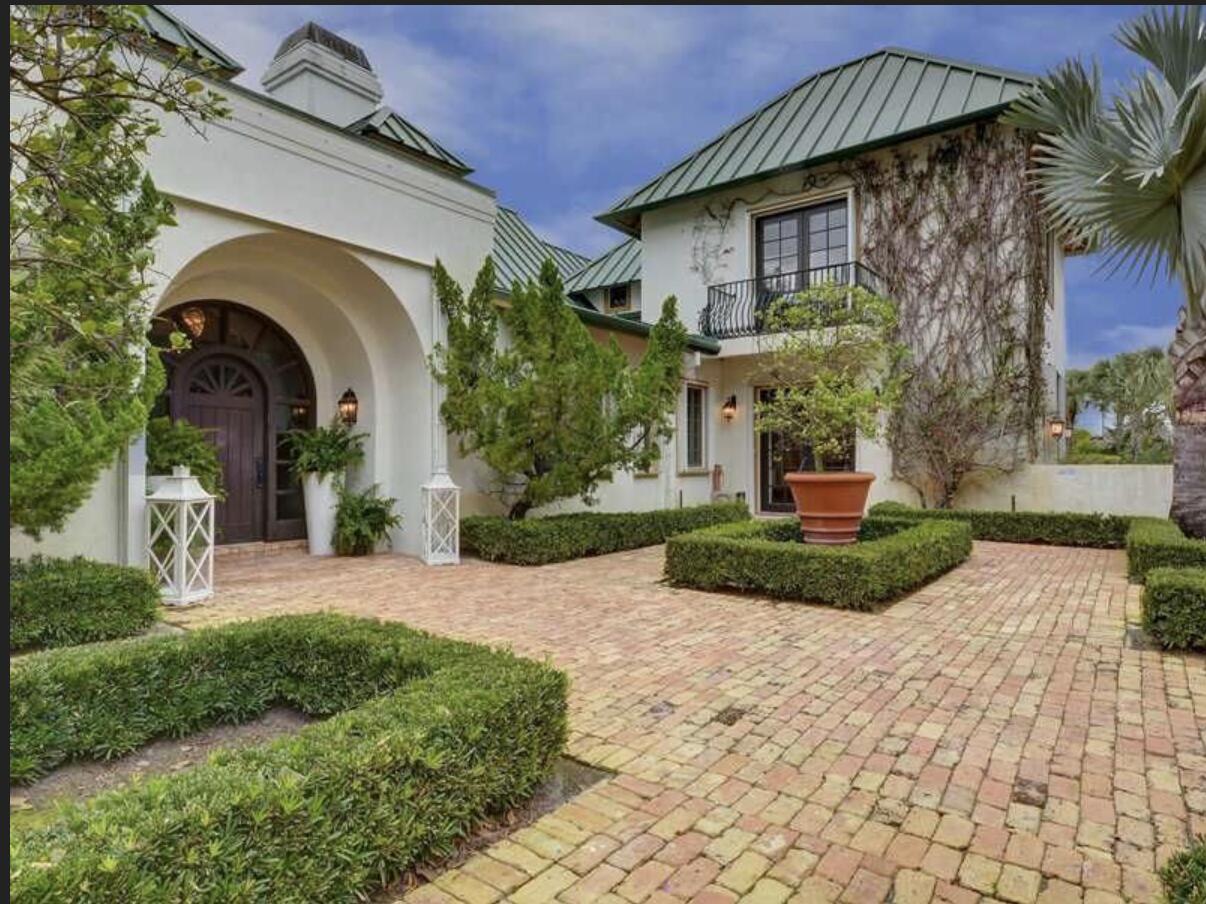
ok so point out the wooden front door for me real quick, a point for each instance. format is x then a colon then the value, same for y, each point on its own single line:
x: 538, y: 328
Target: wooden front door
x: 224, y: 396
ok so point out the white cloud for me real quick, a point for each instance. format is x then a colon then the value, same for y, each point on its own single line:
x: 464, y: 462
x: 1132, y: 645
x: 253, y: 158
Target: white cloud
x: 1133, y: 336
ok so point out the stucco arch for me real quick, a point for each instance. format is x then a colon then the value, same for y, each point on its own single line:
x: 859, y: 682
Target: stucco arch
x: 354, y: 331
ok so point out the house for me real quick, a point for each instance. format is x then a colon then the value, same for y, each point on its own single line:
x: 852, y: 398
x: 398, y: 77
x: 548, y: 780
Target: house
x: 310, y: 219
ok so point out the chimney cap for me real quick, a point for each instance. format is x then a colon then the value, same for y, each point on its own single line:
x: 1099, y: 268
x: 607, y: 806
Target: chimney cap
x: 323, y: 37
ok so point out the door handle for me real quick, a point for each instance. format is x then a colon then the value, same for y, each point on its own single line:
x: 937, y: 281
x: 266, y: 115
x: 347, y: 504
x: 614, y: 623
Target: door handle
x: 260, y: 473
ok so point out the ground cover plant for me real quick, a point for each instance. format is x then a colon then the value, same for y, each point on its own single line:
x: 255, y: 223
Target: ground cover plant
x: 426, y: 737
x: 60, y: 602
x: 892, y: 557
x: 558, y: 538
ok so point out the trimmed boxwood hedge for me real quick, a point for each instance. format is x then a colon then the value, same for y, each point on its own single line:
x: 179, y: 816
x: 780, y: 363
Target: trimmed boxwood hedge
x: 1158, y: 542
x: 892, y: 557
x: 430, y: 737
x: 1174, y: 607
x: 60, y: 602
x: 1051, y: 528
x: 557, y: 538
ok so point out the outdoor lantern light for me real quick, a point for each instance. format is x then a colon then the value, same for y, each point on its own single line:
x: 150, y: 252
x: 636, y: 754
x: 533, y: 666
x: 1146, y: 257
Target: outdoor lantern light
x: 194, y: 321
x: 1056, y: 426
x: 349, y: 408
x: 729, y: 409
x: 180, y: 538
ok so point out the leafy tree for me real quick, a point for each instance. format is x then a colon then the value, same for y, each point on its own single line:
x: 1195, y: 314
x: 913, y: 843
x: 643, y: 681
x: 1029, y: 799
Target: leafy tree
x: 551, y: 412
x: 87, y: 88
x: 830, y: 356
x: 1130, y: 179
x: 1135, y: 388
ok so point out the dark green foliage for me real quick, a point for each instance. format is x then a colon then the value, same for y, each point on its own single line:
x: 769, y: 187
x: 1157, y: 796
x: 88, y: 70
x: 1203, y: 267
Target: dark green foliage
x: 1155, y: 542
x: 1184, y: 875
x: 1051, y: 528
x: 557, y: 538
x: 553, y: 413
x: 363, y: 520
x: 1174, y: 607
x: 171, y: 443
x: 83, y: 219
x: 60, y: 602
x: 892, y: 557
x: 325, y: 450
x: 431, y: 736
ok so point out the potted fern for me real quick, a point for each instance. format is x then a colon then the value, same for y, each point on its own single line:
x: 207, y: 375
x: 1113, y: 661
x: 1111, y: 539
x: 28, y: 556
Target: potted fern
x: 321, y: 458
x: 363, y: 520
x: 831, y: 356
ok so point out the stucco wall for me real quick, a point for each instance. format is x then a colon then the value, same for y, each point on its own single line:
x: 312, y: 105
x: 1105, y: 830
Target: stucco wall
x: 1116, y: 489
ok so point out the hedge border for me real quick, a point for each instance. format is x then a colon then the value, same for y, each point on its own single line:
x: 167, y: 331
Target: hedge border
x: 62, y: 602
x: 576, y: 535
x: 894, y: 556
x: 428, y: 737
x: 1174, y: 607
x: 1049, y: 528
x: 1159, y: 543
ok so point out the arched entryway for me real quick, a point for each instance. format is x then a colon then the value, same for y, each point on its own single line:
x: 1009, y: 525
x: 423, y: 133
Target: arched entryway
x: 245, y: 381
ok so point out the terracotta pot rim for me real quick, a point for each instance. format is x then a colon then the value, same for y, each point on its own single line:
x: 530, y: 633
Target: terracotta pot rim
x: 829, y: 476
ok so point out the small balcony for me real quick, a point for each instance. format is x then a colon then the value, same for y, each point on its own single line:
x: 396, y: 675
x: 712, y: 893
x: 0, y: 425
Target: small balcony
x: 737, y: 309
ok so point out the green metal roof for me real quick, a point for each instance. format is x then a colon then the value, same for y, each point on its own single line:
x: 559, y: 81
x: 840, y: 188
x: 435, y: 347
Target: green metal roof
x: 519, y: 253
x: 622, y: 264
x: 568, y: 262
x: 167, y: 28
x: 384, y: 124
x: 879, y: 99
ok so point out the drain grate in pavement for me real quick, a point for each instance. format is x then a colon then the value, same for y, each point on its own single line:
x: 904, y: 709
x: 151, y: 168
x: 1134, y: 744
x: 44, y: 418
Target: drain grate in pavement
x: 661, y: 709
x: 730, y: 715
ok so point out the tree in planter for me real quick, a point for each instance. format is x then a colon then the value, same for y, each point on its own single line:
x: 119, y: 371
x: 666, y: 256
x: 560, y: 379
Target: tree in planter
x: 321, y: 458
x: 87, y: 87
x: 831, y: 355
x: 1130, y: 179
x: 553, y: 413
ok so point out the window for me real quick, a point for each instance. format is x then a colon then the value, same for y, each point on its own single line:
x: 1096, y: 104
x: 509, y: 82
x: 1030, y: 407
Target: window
x: 810, y: 238
x: 695, y: 399
x: 617, y: 296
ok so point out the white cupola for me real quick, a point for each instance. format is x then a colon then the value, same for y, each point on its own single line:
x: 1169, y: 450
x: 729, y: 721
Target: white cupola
x: 323, y: 74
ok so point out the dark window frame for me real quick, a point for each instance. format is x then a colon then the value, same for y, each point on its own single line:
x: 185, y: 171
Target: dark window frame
x: 698, y: 443
x: 784, y: 235
x: 622, y: 288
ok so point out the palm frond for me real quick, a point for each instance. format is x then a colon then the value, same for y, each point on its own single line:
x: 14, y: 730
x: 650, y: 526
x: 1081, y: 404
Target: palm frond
x: 1173, y: 41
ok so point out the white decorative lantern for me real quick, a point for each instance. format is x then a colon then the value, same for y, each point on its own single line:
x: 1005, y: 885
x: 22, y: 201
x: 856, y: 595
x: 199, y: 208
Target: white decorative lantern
x: 441, y: 520
x: 180, y: 538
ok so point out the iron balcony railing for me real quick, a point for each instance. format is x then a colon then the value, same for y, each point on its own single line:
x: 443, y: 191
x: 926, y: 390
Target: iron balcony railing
x: 738, y: 308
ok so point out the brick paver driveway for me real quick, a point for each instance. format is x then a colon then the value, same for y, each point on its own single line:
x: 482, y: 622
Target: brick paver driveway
x: 994, y: 736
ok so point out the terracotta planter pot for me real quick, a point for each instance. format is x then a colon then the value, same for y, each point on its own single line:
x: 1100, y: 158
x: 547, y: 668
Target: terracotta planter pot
x: 830, y: 505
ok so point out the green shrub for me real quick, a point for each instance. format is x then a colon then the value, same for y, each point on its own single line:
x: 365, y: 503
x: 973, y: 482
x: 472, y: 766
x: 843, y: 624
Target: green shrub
x: 363, y: 520
x: 892, y: 557
x: 60, y: 602
x: 325, y: 450
x: 1184, y: 875
x: 557, y: 538
x: 1174, y: 607
x: 1051, y: 528
x: 1158, y: 542
x: 430, y: 737
x: 171, y: 443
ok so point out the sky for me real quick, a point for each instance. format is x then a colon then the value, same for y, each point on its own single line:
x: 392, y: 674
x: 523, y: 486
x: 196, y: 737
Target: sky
x: 564, y: 110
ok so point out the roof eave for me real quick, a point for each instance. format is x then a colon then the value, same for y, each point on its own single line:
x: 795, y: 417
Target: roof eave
x: 704, y: 344
x: 628, y: 219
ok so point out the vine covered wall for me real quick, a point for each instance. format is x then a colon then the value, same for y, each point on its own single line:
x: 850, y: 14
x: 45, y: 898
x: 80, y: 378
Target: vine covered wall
x: 958, y: 237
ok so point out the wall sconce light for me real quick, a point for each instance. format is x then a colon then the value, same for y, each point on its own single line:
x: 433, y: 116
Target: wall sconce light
x: 349, y: 408
x: 1055, y: 426
x: 729, y: 409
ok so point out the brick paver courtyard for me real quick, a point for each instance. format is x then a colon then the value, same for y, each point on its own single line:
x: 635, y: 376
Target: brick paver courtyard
x: 992, y: 737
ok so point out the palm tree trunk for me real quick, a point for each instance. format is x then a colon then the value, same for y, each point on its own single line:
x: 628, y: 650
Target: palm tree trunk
x: 1189, y: 427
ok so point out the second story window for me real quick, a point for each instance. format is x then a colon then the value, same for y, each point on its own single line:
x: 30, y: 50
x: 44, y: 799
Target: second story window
x: 807, y: 239
x: 617, y: 296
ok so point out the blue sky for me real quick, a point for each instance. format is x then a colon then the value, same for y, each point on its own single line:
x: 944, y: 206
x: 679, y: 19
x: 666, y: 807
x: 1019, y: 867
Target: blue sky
x: 563, y: 110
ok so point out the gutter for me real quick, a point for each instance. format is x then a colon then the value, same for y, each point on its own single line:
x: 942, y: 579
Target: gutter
x: 696, y: 343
